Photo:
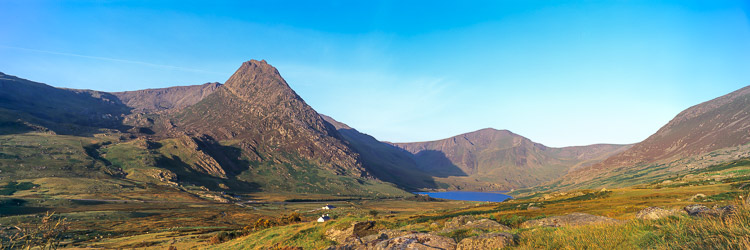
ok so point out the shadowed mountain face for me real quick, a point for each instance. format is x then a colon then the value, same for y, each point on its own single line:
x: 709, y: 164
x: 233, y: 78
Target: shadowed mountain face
x: 720, y: 123
x: 66, y: 111
x: 501, y: 159
x: 385, y: 161
x: 172, y: 98
x: 487, y: 159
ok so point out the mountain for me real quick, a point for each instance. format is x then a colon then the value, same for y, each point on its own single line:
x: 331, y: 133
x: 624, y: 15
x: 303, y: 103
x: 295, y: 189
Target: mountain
x: 287, y: 144
x: 154, y: 100
x: 67, y: 111
x: 500, y: 159
x: 711, y: 132
x: 487, y: 159
x: 385, y: 161
x: 253, y: 133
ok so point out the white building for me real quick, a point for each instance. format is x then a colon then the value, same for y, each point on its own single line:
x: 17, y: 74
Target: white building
x: 324, y: 218
x: 328, y: 207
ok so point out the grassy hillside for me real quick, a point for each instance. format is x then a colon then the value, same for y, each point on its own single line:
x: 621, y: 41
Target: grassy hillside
x: 696, y: 133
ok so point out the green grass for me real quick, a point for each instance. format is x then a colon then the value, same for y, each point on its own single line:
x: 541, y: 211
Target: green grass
x: 12, y: 187
x: 675, y: 232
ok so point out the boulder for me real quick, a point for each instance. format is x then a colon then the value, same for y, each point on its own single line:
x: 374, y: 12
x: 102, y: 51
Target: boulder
x: 370, y: 241
x: 353, y: 233
x: 697, y: 210
x: 392, y: 233
x: 574, y: 219
x: 702, y: 211
x: 459, y: 221
x: 469, y: 222
x: 487, y: 241
x: 653, y: 213
x: 416, y: 241
x: 485, y: 224
x: 364, y: 228
x: 698, y: 197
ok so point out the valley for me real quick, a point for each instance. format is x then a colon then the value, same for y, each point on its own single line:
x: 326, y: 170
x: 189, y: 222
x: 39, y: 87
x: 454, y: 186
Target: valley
x: 249, y: 164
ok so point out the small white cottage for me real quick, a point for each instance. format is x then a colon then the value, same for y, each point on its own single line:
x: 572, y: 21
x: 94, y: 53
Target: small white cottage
x: 328, y: 207
x: 324, y: 218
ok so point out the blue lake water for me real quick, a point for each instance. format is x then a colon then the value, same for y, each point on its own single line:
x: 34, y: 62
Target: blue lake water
x: 469, y: 196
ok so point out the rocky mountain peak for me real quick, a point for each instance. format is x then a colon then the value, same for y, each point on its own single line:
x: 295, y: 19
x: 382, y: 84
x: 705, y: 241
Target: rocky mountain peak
x: 260, y: 80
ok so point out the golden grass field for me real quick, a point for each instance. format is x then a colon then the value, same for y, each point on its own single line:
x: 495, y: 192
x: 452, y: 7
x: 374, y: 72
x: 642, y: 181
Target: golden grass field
x: 187, y: 222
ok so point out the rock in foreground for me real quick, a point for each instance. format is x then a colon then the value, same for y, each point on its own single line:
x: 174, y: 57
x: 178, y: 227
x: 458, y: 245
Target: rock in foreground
x: 469, y: 222
x: 654, y: 213
x: 574, y: 219
x: 409, y: 241
x: 487, y: 241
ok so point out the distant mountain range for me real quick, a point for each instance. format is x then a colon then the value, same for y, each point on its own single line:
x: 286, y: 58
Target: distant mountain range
x: 254, y: 133
x: 500, y: 159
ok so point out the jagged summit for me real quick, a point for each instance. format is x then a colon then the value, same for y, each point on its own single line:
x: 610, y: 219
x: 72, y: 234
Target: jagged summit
x: 256, y: 75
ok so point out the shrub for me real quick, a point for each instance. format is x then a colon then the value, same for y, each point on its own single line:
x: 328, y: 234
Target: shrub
x: 45, y: 235
x: 291, y: 218
x: 262, y: 223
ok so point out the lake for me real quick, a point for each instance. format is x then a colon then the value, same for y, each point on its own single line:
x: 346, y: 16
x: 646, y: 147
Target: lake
x: 469, y: 196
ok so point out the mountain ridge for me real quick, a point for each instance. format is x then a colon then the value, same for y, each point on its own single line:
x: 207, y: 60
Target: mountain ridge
x: 718, y: 124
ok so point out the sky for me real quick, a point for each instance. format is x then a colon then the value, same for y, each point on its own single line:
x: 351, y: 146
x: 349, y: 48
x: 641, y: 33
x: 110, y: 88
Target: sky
x: 561, y: 73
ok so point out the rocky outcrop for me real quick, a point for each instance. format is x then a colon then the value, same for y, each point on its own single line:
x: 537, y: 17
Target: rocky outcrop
x: 204, y: 162
x: 381, y: 241
x: 487, y: 241
x: 703, y: 211
x: 417, y: 241
x: 354, y: 233
x: 469, y: 222
x: 574, y: 219
x: 654, y: 213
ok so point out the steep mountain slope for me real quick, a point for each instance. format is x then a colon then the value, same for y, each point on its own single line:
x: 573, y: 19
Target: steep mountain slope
x: 500, y: 159
x: 27, y: 105
x: 153, y: 100
x: 712, y: 131
x: 385, y: 161
x: 252, y: 134
x: 287, y: 144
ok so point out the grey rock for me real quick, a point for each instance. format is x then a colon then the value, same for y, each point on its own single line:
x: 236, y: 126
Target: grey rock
x: 417, y: 241
x: 469, y: 222
x: 351, y: 234
x: 703, y: 211
x: 653, y: 213
x: 487, y: 241
x: 574, y: 219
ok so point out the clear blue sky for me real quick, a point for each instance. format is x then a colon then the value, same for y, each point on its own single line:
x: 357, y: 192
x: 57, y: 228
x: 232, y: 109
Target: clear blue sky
x: 559, y: 72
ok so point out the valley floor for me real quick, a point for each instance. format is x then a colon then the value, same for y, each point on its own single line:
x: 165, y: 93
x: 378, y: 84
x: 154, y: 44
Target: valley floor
x: 268, y: 222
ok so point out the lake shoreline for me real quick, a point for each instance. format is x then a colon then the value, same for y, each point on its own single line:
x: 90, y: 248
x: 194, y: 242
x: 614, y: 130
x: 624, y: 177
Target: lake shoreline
x: 491, y: 196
